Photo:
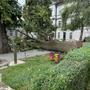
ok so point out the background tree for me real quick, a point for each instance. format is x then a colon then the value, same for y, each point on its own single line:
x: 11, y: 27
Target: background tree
x: 10, y: 14
x: 37, y: 20
x: 77, y: 13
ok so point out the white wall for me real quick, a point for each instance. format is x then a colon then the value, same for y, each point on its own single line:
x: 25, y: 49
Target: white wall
x: 75, y: 34
x: 59, y: 10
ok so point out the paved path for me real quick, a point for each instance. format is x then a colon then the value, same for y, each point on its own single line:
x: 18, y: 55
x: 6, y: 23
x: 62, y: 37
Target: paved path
x: 21, y: 55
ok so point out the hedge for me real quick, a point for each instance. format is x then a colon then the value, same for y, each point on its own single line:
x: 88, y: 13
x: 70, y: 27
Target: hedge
x: 82, y: 54
x: 70, y: 74
x: 87, y: 39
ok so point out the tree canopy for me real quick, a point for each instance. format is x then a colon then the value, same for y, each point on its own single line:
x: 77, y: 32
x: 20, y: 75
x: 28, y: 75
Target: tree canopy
x: 37, y: 18
x: 10, y: 12
x: 77, y: 13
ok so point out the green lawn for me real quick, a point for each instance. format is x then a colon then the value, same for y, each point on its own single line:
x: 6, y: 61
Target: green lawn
x: 38, y: 70
x: 19, y: 77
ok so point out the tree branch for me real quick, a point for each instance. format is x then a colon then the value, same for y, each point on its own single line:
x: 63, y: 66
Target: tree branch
x: 39, y: 41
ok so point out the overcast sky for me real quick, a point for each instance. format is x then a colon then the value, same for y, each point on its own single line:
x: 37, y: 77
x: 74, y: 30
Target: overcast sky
x: 21, y: 2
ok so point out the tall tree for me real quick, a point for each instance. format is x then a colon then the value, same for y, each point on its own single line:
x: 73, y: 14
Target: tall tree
x: 77, y: 12
x: 37, y: 19
x: 10, y: 13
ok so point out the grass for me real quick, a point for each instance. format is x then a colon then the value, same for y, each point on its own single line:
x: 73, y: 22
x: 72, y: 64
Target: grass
x: 19, y: 77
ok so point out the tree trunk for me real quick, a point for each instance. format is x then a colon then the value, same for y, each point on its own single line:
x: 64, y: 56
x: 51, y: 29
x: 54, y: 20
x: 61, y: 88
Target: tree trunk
x: 81, y: 35
x: 4, y: 46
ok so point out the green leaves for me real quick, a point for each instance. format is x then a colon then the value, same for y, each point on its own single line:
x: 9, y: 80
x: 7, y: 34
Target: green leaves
x: 70, y: 74
x: 10, y: 12
x: 78, y: 13
x: 87, y: 39
x: 37, y: 18
x: 38, y: 73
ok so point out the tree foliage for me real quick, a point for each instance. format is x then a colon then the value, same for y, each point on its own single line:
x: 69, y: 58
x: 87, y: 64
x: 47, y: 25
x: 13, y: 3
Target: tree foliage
x: 77, y: 13
x: 10, y: 12
x: 37, y: 18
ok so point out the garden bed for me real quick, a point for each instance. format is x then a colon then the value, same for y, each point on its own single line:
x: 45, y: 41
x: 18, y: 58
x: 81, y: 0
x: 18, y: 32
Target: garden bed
x: 39, y: 73
x: 19, y: 77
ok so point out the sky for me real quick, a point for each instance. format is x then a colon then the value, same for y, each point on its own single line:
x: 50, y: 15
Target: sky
x: 21, y: 2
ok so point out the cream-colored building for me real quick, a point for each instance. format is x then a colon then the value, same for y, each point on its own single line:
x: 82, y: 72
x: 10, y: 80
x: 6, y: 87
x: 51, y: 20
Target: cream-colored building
x: 57, y: 9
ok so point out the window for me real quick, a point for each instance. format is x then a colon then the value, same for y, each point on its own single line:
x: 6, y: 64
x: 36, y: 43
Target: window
x: 64, y: 35
x: 71, y: 35
x: 58, y: 34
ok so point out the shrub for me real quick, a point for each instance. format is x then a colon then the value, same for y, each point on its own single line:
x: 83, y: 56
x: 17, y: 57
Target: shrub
x: 87, y: 39
x: 70, y: 74
x: 82, y: 54
x: 78, y: 54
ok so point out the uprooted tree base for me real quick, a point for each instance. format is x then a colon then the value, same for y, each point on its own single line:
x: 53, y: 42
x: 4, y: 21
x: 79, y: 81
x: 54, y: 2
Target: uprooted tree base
x: 61, y: 46
x: 55, y: 45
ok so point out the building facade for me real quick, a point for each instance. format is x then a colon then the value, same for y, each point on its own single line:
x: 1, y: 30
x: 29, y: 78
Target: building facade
x: 57, y: 9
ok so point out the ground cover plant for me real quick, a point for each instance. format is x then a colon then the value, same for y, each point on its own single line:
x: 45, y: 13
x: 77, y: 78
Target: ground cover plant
x: 72, y: 73
x: 20, y: 76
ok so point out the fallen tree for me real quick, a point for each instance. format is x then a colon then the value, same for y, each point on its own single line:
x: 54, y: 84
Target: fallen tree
x: 36, y: 15
x: 60, y: 45
x: 53, y: 45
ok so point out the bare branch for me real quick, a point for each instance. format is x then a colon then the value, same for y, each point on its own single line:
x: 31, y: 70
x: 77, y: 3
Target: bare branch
x: 39, y: 41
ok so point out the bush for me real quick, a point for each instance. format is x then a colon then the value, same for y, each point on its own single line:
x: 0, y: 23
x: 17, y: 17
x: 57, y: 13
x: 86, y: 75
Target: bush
x: 70, y: 74
x: 78, y: 54
x: 87, y: 39
x: 82, y: 54
x: 38, y: 73
x: 65, y: 76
